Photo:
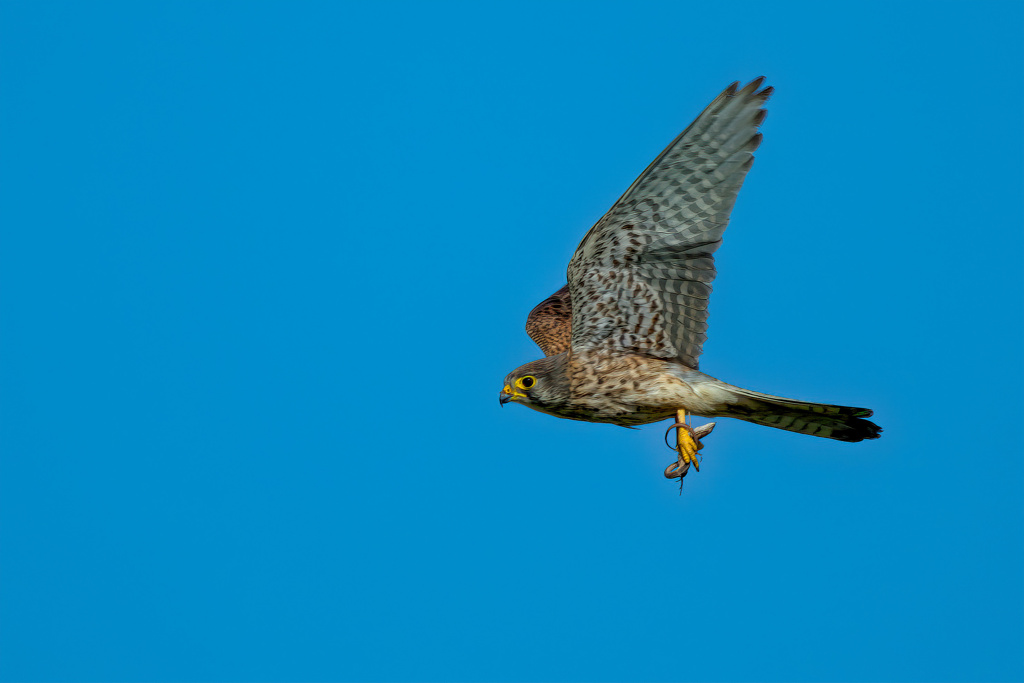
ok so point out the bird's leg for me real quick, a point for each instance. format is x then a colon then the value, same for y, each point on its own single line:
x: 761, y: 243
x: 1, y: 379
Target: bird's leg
x: 687, y: 444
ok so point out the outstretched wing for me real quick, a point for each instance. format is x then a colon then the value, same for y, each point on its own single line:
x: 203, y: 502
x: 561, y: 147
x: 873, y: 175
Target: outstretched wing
x: 549, y: 323
x: 641, y: 278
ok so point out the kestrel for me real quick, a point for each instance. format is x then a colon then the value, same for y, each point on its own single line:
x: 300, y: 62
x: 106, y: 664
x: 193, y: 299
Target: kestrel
x: 621, y: 340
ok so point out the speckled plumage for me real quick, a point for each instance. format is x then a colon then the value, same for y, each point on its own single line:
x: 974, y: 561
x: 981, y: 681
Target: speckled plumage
x: 622, y: 339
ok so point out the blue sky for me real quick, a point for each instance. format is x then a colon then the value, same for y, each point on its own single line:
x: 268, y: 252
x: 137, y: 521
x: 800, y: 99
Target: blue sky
x: 264, y: 267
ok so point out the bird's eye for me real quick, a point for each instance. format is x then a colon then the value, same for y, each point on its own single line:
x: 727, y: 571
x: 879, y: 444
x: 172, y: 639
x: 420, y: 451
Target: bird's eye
x: 526, y: 382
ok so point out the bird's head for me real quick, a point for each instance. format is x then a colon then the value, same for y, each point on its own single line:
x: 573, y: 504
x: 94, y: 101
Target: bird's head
x: 542, y: 385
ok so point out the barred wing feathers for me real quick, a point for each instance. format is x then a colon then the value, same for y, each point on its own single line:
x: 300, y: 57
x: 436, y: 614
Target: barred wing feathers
x: 641, y: 278
x: 549, y: 323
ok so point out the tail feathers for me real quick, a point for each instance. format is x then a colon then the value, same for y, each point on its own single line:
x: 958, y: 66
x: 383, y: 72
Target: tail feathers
x: 843, y: 423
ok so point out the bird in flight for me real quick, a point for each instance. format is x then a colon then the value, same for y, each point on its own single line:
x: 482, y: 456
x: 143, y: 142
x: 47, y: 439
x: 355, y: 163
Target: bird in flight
x: 622, y: 338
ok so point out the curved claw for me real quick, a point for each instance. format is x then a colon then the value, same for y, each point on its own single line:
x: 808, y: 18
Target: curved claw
x: 688, y: 443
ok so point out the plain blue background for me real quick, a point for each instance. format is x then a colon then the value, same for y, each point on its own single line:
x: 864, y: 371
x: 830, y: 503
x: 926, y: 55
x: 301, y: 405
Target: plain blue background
x: 265, y: 265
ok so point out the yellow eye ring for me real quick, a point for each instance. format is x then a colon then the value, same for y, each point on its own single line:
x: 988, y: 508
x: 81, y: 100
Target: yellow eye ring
x: 526, y: 383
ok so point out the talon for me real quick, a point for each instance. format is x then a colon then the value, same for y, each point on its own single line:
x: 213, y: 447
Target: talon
x: 688, y: 444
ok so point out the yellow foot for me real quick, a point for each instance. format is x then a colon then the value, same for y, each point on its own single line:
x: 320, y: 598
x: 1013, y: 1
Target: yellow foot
x: 687, y: 444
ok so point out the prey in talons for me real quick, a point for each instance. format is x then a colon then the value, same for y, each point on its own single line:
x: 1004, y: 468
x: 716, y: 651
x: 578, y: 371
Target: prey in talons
x: 688, y: 442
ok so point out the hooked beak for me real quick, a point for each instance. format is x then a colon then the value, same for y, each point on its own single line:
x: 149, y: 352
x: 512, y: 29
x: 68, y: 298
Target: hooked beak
x: 508, y: 394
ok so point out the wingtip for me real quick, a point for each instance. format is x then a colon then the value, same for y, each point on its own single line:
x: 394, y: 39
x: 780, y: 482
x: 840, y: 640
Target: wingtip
x: 750, y: 89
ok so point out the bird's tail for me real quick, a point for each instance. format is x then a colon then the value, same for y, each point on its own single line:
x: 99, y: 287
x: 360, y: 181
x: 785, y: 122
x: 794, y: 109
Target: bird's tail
x: 817, y: 419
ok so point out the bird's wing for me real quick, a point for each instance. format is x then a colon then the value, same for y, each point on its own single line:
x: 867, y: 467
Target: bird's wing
x: 641, y: 278
x: 549, y: 323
